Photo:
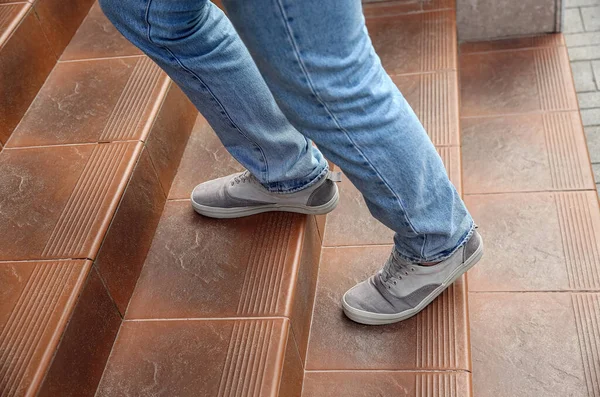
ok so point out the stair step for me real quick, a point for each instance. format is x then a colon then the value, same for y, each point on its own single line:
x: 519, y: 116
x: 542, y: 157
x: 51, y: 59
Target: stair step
x: 210, y: 288
x: 357, y: 383
x: 83, y: 186
x: 242, y: 289
x: 417, y: 46
x: 535, y: 295
x: 32, y: 37
x: 25, y: 61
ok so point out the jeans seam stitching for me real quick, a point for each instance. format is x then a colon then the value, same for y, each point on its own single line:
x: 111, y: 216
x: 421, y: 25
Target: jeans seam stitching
x: 338, y: 125
x: 266, y: 166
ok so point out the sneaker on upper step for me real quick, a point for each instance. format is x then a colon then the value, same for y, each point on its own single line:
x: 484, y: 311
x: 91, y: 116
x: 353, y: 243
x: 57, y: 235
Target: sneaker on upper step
x: 241, y: 194
x: 402, y: 289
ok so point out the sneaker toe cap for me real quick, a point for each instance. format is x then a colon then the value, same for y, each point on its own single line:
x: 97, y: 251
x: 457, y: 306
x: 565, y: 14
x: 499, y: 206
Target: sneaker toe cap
x: 208, y: 193
x: 366, y: 297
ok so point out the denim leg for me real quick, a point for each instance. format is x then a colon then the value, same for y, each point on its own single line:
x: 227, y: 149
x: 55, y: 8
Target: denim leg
x: 196, y: 45
x: 318, y: 61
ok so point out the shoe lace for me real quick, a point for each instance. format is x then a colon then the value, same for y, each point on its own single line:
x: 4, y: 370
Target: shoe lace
x: 244, y: 177
x: 395, y: 270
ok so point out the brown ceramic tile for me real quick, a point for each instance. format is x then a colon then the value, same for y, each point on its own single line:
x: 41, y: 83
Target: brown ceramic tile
x: 434, y: 339
x: 37, y: 299
x: 197, y: 358
x: 58, y: 201
x: 321, y: 220
x: 530, y: 152
x: 352, y: 224
x: 537, y: 241
x: 415, y: 43
x: 392, y: 8
x: 305, y: 287
x: 387, y: 384
x: 202, y: 267
x: 293, y: 373
x: 93, y: 101
x: 59, y: 22
x: 128, y: 239
x: 98, y: 38
x: 169, y: 134
x: 587, y: 317
x: 508, y: 82
x: 25, y: 62
x: 434, y: 98
x: 79, y: 362
x: 548, y: 40
x: 527, y: 345
x: 202, y: 153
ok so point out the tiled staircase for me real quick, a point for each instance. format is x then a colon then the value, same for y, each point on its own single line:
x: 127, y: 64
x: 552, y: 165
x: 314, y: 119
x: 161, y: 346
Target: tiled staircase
x: 111, y: 285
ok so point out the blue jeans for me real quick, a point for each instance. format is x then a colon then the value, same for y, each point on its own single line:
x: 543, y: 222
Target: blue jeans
x: 297, y: 72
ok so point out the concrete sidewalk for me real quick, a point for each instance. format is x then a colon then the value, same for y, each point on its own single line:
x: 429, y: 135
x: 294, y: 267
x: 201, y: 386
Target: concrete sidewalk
x: 582, y: 34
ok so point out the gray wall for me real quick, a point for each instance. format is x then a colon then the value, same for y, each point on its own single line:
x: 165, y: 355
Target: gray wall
x: 494, y: 19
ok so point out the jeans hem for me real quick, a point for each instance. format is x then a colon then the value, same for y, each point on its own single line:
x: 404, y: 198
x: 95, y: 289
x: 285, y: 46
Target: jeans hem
x: 442, y: 256
x: 295, y: 186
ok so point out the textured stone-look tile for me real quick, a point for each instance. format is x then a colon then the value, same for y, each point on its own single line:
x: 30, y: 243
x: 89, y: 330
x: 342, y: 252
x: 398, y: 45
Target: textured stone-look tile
x: 587, y: 317
x: 434, y: 339
x: 36, y: 301
x: 392, y: 8
x: 547, y: 40
x: 58, y: 201
x: 537, y: 241
x: 504, y: 82
x: 305, y: 287
x: 86, y: 344
x: 98, y: 38
x: 415, y: 43
x: 25, y: 61
x: 526, y: 345
x: 197, y: 358
x: 169, y: 135
x: 202, y: 267
x: 386, y: 384
x: 529, y: 152
x: 292, y: 375
x: 128, y: 239
x: 352, y: 224
x: 93, y: 101
x: 434, y: 98
x: 59, y: 22
x: 204, y: 159
x: 489, y: 20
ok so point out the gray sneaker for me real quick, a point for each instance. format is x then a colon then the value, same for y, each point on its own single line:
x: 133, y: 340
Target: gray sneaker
x: 242, y: 194
x: 400, y: 290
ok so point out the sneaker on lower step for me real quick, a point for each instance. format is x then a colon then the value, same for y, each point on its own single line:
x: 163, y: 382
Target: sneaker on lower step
x: 402, y: 289
x: 241, y: 194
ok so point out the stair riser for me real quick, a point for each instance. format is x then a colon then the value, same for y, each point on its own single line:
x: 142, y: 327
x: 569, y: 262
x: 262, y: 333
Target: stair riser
x: 26, y: 59
x: 29, y: 48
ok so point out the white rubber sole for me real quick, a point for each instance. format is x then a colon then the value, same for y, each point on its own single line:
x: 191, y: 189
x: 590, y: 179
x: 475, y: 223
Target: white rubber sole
x: 239, y: 212
x: 369, y: 318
